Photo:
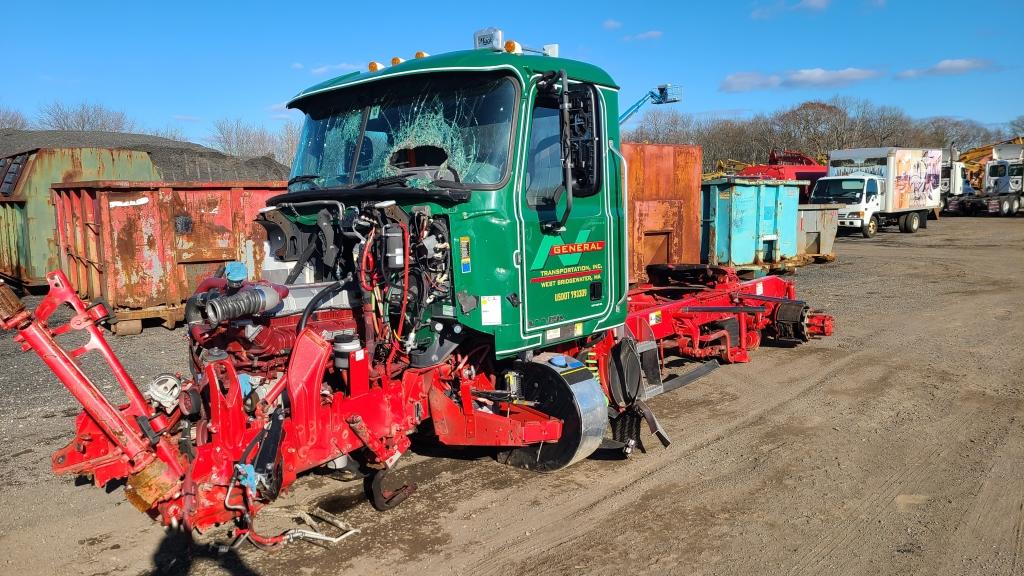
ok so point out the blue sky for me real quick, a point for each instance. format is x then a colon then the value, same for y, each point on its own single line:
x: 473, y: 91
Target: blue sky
x: 185, y: 64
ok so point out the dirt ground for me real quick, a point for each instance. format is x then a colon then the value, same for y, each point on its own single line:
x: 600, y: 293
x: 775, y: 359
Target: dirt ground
x: 895, y: 447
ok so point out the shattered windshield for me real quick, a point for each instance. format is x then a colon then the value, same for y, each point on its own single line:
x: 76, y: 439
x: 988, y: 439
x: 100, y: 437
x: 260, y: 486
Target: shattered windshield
x: 418, y: 131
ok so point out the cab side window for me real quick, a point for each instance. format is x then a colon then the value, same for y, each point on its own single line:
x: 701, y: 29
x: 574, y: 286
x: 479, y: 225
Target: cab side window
x: 544, y: 156
x: 872, y: 189
x: 548, y: 145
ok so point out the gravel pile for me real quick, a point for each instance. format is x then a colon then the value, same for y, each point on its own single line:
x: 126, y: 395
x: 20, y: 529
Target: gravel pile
x: 176, y: 161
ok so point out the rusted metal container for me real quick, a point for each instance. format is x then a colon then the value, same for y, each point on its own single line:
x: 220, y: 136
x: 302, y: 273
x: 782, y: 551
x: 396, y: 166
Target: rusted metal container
x: 816, y: 238
x: 144, y: 246
x: 664, y: 205
x: 27, y: 244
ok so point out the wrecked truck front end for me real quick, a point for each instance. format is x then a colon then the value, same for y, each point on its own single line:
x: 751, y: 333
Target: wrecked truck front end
x: 450, y: 258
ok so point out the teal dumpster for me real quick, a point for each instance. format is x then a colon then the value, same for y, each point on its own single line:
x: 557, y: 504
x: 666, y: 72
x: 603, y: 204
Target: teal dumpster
x: 749, y: 223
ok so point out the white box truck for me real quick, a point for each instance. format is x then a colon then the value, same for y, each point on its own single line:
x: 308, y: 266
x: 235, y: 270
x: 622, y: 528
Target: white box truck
x: 1002, y: 192
x: 882, y: 187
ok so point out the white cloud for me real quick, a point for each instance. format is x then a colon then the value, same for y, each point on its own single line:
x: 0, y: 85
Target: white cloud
x: 297, y: 66
x: 324, y: 69
x: 949, y: 67
x: 611, y: 24
x: 279, y: 107
x: 769, y: 10
x: 186, y: 118
x: 648, y: 35
x: 748, y: 81
x: 815, y: 77
x: 804, y: 78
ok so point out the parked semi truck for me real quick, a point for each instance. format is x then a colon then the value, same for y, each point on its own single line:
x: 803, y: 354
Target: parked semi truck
x: 451, y: 257
x: 953, y: 181
x: 1002, y: 191
x: 882, y: 187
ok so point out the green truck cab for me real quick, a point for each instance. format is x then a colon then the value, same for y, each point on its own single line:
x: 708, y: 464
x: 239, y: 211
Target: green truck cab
x: 478, y: 139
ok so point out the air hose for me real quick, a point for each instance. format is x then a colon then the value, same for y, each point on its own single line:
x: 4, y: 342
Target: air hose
x: 245, y: 302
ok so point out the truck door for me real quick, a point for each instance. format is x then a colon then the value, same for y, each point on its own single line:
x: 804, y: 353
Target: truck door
x: 565, y: 271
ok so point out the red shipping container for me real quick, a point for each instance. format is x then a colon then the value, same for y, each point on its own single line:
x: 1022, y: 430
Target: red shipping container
x: 144, y: 246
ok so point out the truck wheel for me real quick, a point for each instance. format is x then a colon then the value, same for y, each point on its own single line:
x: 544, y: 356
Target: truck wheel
x: 871, y: 228
x: 1004, y: 207
x: 1014, y: 206
x: 902, y: 220
x: 913, y: 222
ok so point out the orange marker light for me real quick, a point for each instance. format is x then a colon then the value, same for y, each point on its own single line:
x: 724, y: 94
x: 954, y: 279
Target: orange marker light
x: 396, y: 61
x: 374, y: 66
x: 513, y: 47
x: 422, y: 54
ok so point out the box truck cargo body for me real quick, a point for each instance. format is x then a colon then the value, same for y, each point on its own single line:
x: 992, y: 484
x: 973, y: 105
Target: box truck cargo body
x: 882, y: 187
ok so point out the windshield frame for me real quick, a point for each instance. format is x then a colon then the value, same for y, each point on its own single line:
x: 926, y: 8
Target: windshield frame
x: 508, y: 73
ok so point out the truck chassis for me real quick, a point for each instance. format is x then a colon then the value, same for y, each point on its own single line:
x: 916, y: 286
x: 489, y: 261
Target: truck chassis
x: 215, y: 453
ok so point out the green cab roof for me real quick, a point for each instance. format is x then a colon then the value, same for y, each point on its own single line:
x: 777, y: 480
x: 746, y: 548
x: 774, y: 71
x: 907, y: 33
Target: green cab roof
x: 467, y: 60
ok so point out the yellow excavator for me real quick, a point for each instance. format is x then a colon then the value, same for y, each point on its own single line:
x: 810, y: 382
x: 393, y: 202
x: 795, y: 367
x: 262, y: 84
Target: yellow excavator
x: 724, y: 168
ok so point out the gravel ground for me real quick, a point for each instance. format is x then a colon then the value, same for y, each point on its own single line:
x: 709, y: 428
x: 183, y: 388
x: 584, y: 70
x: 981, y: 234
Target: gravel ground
x: 895, y: 447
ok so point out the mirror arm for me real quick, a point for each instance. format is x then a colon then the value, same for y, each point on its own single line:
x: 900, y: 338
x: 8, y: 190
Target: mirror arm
x: 556, y: 227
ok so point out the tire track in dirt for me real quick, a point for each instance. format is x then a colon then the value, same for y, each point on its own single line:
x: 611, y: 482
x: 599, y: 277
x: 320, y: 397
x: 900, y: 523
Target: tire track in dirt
x: 557, y: 531
x: 995, y: 520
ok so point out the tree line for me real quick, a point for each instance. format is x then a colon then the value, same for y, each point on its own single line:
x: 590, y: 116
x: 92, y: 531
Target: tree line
x: 232, y: 136
x: 814, y: 128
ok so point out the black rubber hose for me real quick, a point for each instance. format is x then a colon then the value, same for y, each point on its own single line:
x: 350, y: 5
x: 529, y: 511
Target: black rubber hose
x: 242, y: 303
x: 322, y: 296
x: 301, y: 263
x: 193, y: 309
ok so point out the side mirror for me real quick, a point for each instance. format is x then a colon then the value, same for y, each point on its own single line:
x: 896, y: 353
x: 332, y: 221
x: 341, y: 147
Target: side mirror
x: 563, y: 100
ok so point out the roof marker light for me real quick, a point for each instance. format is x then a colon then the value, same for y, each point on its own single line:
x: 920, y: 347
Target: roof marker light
x: 374, y: 66
x: 421, y: 54
x: 396, y: 61
x: 513, y: 47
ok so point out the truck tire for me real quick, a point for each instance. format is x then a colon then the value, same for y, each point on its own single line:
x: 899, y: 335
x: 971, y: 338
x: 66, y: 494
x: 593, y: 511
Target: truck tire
x: 1004, y: 207
x: 1014, y: 206
x: 912, y: 222
x: 902, y: 220
x: 871, y: 228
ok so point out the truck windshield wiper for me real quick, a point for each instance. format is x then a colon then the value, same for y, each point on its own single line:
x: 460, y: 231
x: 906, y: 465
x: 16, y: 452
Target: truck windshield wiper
x: 305, y: 178
x: 396, y: 180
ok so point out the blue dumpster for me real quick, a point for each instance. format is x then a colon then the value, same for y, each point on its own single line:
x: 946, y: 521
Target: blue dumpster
x: 749, y: 223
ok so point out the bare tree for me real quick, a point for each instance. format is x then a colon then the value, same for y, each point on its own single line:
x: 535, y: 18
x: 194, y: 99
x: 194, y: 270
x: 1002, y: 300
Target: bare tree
x: 1017, y: 126
x: 885, y: 126
x: 83, y: 116
x: 11, y: 118
x: 169, y: 132
x: 286, y: 140
x: 237, y: 137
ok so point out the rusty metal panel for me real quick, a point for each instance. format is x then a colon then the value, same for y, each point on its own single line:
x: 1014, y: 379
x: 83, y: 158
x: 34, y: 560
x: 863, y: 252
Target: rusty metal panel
x: 664, y: 205
x: 144, y: 246
x: 29, y: 248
